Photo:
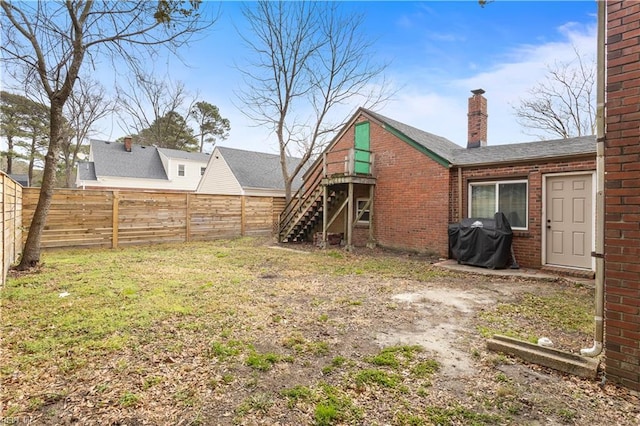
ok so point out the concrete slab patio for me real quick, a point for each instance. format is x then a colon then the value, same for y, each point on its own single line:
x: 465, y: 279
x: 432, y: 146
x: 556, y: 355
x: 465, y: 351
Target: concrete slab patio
x: 538, y: 274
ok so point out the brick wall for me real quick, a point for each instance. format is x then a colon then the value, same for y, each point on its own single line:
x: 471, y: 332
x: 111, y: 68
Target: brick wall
x: 477, y: 120
x: 622, y: 194
x: 411, y: 195
x: 527, y: 244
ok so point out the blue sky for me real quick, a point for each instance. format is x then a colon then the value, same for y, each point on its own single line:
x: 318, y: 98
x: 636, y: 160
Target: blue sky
x: 438, y: 52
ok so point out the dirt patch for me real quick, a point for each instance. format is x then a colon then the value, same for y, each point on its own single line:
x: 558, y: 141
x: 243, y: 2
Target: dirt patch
x: 443, y: 328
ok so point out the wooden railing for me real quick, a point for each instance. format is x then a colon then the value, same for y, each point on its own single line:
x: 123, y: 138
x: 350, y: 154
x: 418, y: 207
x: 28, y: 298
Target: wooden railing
x: 296, y: 206
x: 347, y: 162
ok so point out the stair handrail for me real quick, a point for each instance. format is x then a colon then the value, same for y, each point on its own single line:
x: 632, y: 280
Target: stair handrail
x: 297, y: 210
x: 297, y: 200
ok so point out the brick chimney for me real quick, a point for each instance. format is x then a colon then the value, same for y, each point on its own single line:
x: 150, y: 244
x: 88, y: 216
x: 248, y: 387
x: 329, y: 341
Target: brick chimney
x: 477, y: 127
x: 127, y: 143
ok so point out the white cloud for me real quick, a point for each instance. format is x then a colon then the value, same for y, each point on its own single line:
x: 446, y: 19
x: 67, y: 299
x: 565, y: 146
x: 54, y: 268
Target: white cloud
x: 440, y: 106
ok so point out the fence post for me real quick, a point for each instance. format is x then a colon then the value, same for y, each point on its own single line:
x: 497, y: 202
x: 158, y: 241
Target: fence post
x: 243, y: 217
x: 2, y: 207
x: 16, y: 225
x: 188, y: 218
x: 114, y: 215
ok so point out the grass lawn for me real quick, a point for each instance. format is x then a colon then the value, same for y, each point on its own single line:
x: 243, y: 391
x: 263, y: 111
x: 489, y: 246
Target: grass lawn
x: 238, y: 332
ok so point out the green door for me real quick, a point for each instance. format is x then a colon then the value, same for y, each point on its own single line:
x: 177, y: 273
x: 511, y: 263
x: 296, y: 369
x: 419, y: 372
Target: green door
x: 362, y: 155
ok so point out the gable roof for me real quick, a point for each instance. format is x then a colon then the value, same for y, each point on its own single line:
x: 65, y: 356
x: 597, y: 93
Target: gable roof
x: 455, y: 155
x: 258, y: 169
x: 22, y: 179
x: 438, y: 145
x: 111, y: 159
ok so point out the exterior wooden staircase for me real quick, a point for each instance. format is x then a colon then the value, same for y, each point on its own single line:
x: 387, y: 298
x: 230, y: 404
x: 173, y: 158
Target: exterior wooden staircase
x: 338, y: 171
x: 303, y: 215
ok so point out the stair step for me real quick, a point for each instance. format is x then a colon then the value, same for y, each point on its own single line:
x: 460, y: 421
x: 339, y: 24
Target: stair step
x: 307, y: 214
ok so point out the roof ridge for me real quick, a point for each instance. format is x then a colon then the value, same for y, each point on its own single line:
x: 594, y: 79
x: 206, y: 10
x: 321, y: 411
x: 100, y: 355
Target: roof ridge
x: 257, y: 152
x: 388, y: 119
x: 437, y: 147
x: 174, y: 149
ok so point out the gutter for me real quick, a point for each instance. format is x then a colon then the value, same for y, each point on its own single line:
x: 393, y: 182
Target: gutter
x: 598, y: 339
x: 584, y: 155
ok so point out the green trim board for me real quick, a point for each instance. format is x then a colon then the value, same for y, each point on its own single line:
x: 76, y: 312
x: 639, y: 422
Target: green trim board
x: 362, y: 144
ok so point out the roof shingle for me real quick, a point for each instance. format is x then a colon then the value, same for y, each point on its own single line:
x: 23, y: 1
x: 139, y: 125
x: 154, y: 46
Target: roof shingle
x: 111, y: 159
x: 459, y: 156
x: 184, y: 155
x: 258, y: 169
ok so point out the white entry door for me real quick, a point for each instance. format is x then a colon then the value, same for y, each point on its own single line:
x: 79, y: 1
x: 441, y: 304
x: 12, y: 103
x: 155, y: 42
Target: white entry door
x: 569, y: 201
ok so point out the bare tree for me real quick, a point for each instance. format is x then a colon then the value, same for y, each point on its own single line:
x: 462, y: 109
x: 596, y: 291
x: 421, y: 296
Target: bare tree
x: 563, y: 104
x: 87, y: 104
x: 308, y: 58
x: 53, y: 39
x: 145, y: 100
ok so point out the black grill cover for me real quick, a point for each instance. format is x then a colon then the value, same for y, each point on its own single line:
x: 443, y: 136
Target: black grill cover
x: 482, y: 242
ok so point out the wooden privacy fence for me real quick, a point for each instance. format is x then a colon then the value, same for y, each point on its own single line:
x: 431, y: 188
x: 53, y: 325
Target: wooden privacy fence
x: 11, y: 218
x: 95, y: 218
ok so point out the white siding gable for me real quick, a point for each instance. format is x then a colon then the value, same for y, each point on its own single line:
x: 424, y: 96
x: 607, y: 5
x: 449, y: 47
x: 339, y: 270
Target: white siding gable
x: 191, y: 177
x: 218, y: 178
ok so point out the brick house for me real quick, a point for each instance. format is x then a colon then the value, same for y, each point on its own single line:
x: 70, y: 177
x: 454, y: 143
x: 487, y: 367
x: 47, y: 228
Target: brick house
x: 622, y: 194
x: 383, y: 182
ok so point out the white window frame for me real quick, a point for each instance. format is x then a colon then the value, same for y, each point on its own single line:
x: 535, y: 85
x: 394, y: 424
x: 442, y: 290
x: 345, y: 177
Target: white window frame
x: 358, y: 210
x: 497, y: 184
x: 182, y: 170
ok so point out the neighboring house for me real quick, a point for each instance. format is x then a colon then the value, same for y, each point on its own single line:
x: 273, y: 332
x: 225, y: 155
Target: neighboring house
x: 238, y: 172
x: 384, y: 182
x: 22, y: 179
x: 114, y: 165
x: 622, y: 194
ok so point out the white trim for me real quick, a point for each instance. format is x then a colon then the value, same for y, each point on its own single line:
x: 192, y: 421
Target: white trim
x: 365, y: 200
x: 543, y: 216
x: 496, y: 183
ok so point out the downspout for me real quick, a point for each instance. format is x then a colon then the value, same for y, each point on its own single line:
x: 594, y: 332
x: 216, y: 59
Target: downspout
x: 460, y: 215
x: 598, y: 340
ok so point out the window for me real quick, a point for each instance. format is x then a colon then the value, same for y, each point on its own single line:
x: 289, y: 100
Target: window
x: 508, y: 197
x: 361, y: 204
x: 202, y: 169
x: 180, y: 169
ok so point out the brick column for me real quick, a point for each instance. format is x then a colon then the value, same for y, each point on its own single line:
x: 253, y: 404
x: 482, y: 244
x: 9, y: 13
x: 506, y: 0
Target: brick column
x: 622, y: 195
